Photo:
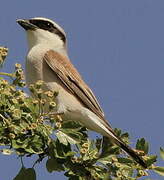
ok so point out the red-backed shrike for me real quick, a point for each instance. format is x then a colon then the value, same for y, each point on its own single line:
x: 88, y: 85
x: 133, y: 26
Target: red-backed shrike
x: 47, y: 60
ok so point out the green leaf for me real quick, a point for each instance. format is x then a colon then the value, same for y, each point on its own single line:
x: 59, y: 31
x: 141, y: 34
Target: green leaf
x: 162, y: 153
x: 151, y: 159
x: 159, y: 170
x: 20, y: 174
x: 105, y: 160
x: 125, y: 137
x: 108, y: 148
x: 66, y: 137
x: 52, y: 164
x: 69, y: 153
x: 117, y: 131
x: 61, y: 151
x: 30, y: 174
x: 77, y: 136
x: 19, y: 143
x: 125, y: 160
x: 98, y: 144
x: 26, y: 174
x: 71, y: 125
x: 142, y: 145
x: 62, y: 137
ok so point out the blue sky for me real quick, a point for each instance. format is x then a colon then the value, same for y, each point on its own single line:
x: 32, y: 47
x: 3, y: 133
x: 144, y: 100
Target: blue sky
x: 117, y: 46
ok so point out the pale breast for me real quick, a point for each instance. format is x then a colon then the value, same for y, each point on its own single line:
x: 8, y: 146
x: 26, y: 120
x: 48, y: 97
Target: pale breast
x: 37, y: 69
x: 34, y: 64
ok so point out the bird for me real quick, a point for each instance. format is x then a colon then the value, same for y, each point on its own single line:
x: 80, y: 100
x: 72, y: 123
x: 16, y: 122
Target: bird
x: 47, y: 60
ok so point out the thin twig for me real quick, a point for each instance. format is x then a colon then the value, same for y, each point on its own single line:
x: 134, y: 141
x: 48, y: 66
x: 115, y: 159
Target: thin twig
x: 7, y: 74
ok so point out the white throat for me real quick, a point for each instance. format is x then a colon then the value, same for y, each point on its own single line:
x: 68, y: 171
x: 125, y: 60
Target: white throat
x: 46, y: 38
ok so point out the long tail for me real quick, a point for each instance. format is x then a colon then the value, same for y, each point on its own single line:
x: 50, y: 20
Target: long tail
x: 102, y: 126
x: 132, y: 153
x: 125, y: 147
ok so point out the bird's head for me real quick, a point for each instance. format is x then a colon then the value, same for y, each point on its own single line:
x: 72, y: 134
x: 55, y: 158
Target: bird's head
x: 43, y: 31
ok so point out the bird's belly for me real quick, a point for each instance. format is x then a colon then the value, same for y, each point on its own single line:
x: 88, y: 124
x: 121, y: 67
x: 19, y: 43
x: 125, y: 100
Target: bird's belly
x: 33, y: 72
x: 65, y: 100
x: 37, y: 69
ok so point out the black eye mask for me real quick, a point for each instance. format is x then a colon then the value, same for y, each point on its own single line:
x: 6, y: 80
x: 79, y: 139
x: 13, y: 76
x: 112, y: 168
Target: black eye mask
x: 48, y: 26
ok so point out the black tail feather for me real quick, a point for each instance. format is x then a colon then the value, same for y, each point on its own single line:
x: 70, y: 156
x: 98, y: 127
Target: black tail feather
x: 132, y: 153
x: 127, y: 148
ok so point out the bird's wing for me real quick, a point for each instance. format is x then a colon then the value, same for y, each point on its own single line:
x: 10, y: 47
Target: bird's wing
x: 67, y: 73
x: 70, y: 77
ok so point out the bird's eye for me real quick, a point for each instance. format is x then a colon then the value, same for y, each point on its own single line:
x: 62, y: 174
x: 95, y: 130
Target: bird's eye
x: 48, y: 24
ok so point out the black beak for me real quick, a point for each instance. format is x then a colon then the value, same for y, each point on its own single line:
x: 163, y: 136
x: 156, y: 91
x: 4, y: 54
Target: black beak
x: 26, y: 24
